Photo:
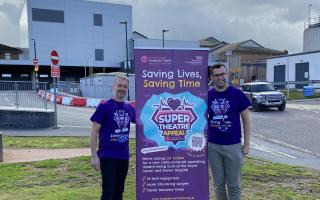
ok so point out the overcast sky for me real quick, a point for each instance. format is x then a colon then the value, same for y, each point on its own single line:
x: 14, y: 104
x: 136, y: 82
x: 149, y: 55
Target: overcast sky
x: 276, y: 24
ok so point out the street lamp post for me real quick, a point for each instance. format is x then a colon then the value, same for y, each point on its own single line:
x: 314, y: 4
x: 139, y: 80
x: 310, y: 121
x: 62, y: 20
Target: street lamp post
x: 127, y: 59
x: 163, y: 31
x: 35, y: 57
x: 34, y: 48
x: 309, y: 14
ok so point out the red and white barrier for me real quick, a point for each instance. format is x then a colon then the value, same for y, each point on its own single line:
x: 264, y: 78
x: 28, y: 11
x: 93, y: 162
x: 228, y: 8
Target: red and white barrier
x: 79, y: 101
x: 66, y: 101
x: 93, y: 102
x: 48, y: 96
x: 74, y: 101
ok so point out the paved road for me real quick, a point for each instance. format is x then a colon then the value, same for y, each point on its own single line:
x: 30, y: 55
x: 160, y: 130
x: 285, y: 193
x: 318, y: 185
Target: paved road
x: 299, y: 125
x: 287, y: 137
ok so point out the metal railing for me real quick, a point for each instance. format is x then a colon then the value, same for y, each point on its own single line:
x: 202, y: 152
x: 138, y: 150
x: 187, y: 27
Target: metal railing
x: 312, y: 22
x: 21, y: 94
x: 72, y: 88
x: 296, y: 85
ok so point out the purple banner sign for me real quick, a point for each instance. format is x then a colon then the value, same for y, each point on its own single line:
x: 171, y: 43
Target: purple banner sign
x: 171, y: 108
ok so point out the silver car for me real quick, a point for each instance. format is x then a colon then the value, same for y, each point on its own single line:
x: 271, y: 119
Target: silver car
x: 263, y: 95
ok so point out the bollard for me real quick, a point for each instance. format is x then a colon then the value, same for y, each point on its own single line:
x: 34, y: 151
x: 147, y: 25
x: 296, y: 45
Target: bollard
x: 1, y: 148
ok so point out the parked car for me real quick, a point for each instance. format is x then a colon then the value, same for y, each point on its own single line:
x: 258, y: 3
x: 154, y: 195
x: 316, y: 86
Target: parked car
x: 263, y: 95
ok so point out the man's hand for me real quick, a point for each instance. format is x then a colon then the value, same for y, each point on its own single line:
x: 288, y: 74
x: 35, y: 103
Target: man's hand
x: 95, y: 163
x: 245, y: 150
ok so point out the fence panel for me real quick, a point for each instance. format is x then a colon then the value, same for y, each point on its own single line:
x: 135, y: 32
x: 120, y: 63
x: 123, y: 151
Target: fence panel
x: 296, y: 86
x: 18, y: 94
x: 69, y: 87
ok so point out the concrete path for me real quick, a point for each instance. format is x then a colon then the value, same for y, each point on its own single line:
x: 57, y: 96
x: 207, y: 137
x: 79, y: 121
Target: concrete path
x: 27, y: 155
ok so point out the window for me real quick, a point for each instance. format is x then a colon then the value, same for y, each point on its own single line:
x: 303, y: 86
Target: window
x: 6, y: 75
x: 97, y: 19
x: 7, y: 56
x: 24, y: 75
x: 14, y: 56
x: 262, y: 88
x: 46, y: 15
x: 99, y: 55
x: 246, y: 88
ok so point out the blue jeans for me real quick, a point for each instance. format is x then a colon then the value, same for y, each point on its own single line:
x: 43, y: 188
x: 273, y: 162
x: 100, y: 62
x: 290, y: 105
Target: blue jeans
x: 113, y: 173
x: 225, y: 163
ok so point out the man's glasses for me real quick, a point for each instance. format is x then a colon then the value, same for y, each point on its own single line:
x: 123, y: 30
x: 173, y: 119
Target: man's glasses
x: 218, y: 75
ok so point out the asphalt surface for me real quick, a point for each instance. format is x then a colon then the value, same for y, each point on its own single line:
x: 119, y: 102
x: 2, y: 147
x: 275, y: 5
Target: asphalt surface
x: 289, y: 137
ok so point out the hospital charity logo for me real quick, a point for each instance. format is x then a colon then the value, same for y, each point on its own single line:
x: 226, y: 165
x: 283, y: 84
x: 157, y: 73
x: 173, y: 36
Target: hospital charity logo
x: 174, y: 117
x: 144, y: 59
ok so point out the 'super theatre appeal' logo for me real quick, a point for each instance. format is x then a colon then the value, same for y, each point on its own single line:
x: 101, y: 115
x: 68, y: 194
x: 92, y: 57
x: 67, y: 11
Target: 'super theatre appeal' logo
x: 174, y: 117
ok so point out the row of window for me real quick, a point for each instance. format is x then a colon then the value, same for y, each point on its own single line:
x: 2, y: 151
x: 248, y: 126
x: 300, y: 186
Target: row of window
x: 24, y: 75
x: 57, y: 16
x: 9, y: 56
x: 99, y: 55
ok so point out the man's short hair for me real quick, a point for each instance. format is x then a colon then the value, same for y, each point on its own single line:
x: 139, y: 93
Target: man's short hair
x: 120, y: 76
x: 217, y: 66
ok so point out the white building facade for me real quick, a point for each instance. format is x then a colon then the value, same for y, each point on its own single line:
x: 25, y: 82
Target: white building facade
x: 87, y: 35
x: 294, y: 67
x: 82, y: 32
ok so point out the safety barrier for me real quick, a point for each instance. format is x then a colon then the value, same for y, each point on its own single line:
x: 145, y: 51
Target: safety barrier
x: 78, y: 101
x: 93, y: 102
x: 52, y: 98
x: 48, y: 96
x: 42, y: 93
x: 75, y: 101
x: 59, y: 99
x: 66, y: 101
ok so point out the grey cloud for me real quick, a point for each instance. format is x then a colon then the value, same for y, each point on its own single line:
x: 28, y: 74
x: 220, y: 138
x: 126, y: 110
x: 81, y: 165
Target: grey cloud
x: 272, y: 23
x: 9, y: 18
x: 11, y: 10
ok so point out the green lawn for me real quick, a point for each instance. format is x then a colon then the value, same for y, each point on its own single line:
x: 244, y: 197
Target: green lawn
x: 45, y: 142
x: 73, y: 179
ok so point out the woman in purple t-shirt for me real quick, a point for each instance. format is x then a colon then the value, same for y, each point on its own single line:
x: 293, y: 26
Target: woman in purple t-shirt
x: 111, y: 124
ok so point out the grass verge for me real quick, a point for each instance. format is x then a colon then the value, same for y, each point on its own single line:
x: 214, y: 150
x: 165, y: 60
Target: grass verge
x: 73, y: 179
x: 298, y: 95
x: 45, y: 142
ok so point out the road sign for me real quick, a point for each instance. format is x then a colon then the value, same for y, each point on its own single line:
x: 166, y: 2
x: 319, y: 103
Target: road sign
x: 55, y: 71
x: 35, y: 61
x: 54, y: 57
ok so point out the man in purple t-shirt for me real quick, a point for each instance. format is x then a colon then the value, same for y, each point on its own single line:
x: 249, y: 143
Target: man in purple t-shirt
x: 226, y: 153
x: 111, y: 122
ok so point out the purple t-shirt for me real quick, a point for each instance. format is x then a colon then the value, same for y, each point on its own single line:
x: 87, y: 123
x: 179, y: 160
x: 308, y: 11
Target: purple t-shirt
x: 114, y: 118
x: 224, y: 115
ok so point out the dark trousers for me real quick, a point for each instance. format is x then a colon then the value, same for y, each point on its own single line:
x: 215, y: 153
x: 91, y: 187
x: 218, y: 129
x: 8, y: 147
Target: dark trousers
x: 114, y: 173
